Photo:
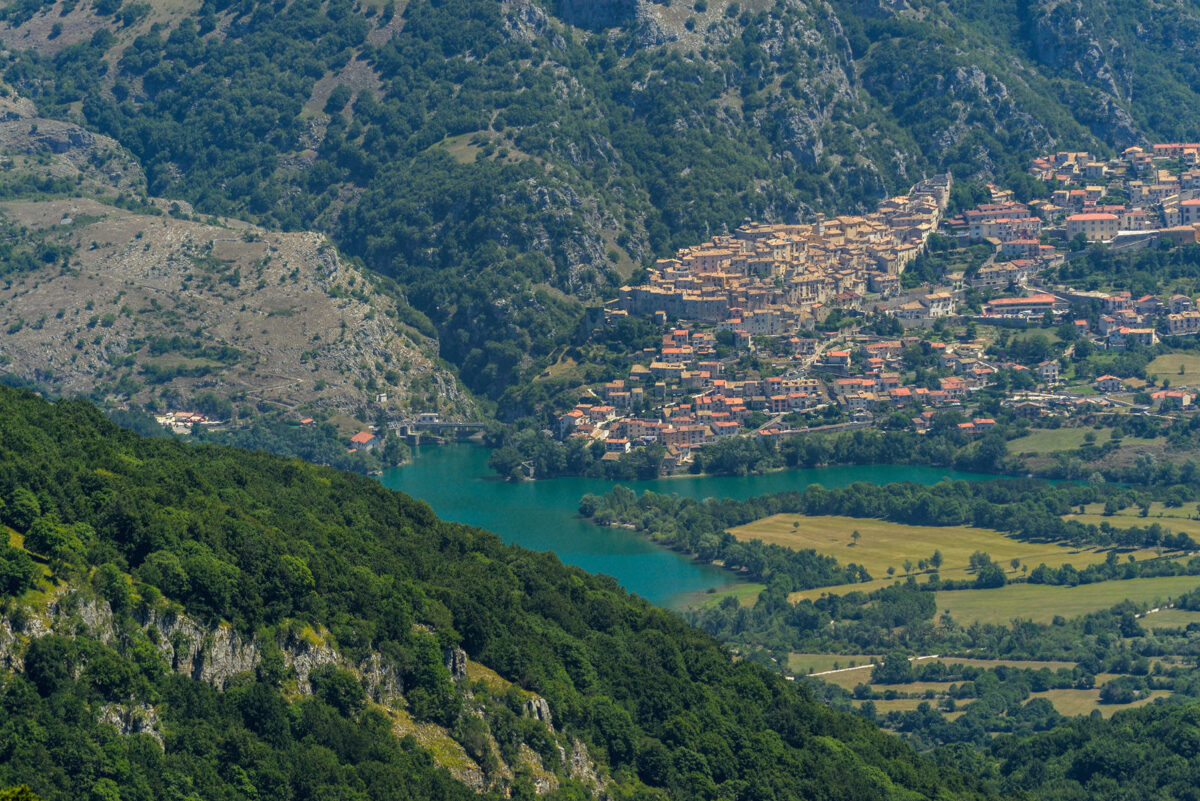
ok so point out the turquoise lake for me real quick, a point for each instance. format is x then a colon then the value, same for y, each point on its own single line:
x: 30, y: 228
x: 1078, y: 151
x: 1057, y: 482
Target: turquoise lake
x: 543, y: 516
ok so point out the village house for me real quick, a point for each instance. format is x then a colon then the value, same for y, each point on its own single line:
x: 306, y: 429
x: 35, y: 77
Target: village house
x: 1048, y: 371
x: 938, y: 304
x: 1184, y: 399
x: 1123, y: 337
x: 1183, y: 323
x: 1012, y: 307
x: 1095, y: 227
x: 365, y: 441
x: 1002, y: 274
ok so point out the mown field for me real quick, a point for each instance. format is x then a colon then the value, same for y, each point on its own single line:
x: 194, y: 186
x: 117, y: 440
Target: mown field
x: 849, y: 670
x: 1177, y: 519
x: 1072, y: 703
x: 1042, y: 603
x: 1167, y: 366
x: 842, y: 589
x: 1082, y: 702
x: 1170, y: 619
x: 745, y: 591
x: 1053, y: 440
x: 882, y: 544
x: 801, y: 664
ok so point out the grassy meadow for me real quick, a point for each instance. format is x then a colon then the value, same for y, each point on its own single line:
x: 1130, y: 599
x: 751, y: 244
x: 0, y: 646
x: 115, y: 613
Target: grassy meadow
x: 1053, y: 440
x: 1081, y: 702
x: 1170, y: 619
x: 1042, y: 603
x: 1167, y: 366
x: 1177, y: 519
x: 882, y: 544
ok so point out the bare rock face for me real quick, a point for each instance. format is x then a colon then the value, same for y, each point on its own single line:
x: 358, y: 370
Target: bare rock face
x: 16, y: 108
x: 456, y: 662
x: 8, y: 640
x: 133, y: 719
x: 382, y: 682
x: 305, y: 657
x: 580, y: 765
x: 537, y: 708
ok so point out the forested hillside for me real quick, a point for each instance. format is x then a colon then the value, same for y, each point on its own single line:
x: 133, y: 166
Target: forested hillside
x: 203, y: 622
x: 508, y: 161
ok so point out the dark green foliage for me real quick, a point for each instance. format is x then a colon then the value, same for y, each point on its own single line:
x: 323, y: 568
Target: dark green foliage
x: 338, y: 688
x: 17, y: 571
x: 1142, y: 271
x: 21, y: 509
x: 319, y: 444
x: 1152, y: 752
x: 895, y: 669
x: 240, y: 744
x: 239, y: 536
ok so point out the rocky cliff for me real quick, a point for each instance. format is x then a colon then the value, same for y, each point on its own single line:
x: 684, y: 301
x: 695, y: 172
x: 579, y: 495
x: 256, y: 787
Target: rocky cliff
x: 216, y: 655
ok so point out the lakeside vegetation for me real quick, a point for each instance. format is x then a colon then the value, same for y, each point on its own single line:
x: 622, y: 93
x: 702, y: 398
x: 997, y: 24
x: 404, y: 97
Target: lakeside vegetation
x: 986, y: 642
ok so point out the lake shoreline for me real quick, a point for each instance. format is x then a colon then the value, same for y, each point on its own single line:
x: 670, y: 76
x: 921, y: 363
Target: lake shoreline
x: 543, y: 515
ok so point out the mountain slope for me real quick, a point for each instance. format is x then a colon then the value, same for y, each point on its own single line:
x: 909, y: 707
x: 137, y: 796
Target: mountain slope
x: 106, y: 295
x: 305, y: 563
x: 511, y: 162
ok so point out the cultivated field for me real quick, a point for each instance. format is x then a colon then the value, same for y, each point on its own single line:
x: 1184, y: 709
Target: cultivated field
x: 885, y: 705
x: 882, y: 544
x: 1081, y: 702
x: 1030, y: 664
x: 1167, y: 366
x: 1071, y: 703
x: 1180, y: 518
x: 1170, y: 619
x: 1053, y: 440
x: 1041, y: 603
x: 745, y: 591
x: 801, y: 664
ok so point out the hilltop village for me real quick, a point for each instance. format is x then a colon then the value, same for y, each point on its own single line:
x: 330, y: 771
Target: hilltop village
x: 893, y: 317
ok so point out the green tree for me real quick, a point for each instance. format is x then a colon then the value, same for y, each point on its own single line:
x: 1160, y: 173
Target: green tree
x: 895, y: 669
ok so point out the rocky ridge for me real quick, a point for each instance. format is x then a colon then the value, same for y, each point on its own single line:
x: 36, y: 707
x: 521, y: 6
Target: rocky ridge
x: 291, y: 324
x: 217, y: 654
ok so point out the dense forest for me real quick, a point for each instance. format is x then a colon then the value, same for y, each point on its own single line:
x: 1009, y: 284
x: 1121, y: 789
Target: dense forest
x: 281, y: 551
